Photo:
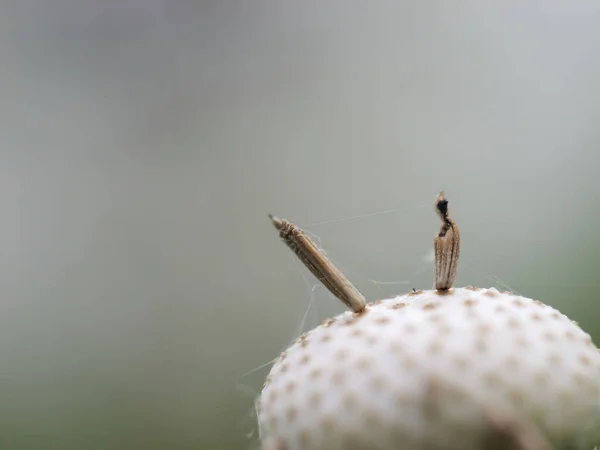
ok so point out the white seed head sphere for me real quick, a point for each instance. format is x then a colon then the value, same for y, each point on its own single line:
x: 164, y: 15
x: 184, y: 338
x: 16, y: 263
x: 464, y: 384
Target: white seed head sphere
x: 465, y: 369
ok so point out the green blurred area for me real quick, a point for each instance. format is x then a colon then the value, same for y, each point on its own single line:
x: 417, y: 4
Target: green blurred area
x: 144, y: 144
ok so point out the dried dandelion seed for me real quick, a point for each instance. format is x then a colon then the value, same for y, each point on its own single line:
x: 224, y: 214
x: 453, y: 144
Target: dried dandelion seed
x: 447, y: 247
x: 319, y: 265
x: 462, y: 368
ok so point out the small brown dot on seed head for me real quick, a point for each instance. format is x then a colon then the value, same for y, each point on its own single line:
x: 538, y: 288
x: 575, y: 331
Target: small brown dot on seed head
x: 349, y: 401
x: 273, y: 422
x: 377, y: 383
x: 480, y: 345
x: 469, y: 302
x: 471, y: 313
x: 291, y: 414
x: 398, y: 305
x: 290, y: 386
x: 352, y: 440
x: 396, y: 347
x: 378, y: 302
x: 350, y: 321
x: 430, y: 306
x: 372, y: 419
x: 435, y: 347
x: 274, y: 444
x: 518, y: 303
x: 328, y: 423
x: 554, y: 359
x: 565, y: 398
x: 536, y: 317
x: 512, y: 363
x: 541, y: 378
x: 556, y: 315
x: 402, y: 399
x: 491, y: 293
x: 273, y: 395
x: 507, y: 292
x: 371, y: 341
x: 483, y: 328
x: 436, y: 318
x: 357, y: 332
x: 521, y: 341
x: 315, y: 373
x: 578, y: 378
x: 304, y: 437
x: 408, y: 363
x: 461, y: 362
x: 410, y: 328
x: 539, y: 303
x: 326, y: 338
x: 513, y: 323
x: 314, y: 400
x: 284, y: 367
x: 570, y: 335
x: 445, y: 330
x: 539, y: 411
x: 412, y: 293
x: 338, y: 377
x: 363, y: 363
x: 491, y: 379
x: 471, y: 288
x: 305, y: 359
x: 456, y: 393
x: 583, y: 359
x: 516, y: 397
x: 500, y: 309
x: 304, y: 343
x: 341, y: 354
x: 549, y: 336
x: 383, y: 320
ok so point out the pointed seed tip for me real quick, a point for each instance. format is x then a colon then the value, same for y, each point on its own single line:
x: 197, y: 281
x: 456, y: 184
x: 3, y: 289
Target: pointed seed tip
x: 277, y: 222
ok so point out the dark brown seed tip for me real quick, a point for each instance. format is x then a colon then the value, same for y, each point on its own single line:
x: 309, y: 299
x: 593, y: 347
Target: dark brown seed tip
x: 441, y: 204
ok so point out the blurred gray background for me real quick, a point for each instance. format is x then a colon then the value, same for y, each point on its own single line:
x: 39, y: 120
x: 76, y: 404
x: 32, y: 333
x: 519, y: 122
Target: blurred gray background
x: 145, y: 141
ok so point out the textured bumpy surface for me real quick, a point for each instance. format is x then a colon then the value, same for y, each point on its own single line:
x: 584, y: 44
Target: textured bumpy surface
x: 433, y: 371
